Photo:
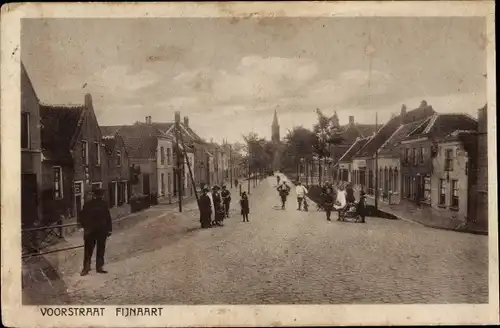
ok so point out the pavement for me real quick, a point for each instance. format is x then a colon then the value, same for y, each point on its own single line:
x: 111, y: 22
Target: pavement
x: 279, y: 257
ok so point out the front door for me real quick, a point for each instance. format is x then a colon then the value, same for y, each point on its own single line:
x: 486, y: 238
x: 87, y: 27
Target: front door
x: 145, y: 184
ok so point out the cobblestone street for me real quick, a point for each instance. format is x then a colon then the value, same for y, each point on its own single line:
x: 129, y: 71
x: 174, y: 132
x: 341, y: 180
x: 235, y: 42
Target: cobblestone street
x: 278, y: 257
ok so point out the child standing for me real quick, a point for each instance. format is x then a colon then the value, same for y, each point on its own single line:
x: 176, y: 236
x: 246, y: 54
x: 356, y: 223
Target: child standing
x: 361, y: 208
x: 245, y: 207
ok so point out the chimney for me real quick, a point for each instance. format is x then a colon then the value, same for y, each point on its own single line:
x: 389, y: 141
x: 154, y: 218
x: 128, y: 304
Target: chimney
x: 423, y: 104
x: 351, y: 119
x: 148, y: 119
x: 186, y: 121
x: 88, y: 101
x: 177, y: 117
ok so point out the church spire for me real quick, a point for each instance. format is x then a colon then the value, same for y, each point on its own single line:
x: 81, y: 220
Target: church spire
x: 275, y: 128
x: 335, y: 120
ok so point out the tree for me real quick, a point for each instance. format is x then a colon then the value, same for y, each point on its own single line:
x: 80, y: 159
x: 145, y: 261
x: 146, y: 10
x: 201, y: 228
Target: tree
x: 326, y: 135
x: 259, y: 151
x: 299, y: 144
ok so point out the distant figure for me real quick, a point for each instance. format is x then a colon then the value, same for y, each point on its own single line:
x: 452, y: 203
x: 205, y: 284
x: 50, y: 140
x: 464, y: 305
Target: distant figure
x: 217, y: 203
x: 95, y: 220
x: 328, y: 201
x: 236, y: 183
x: 341, y: 200
x: 226, y: 200
x: 283, y: 191
x: 301, y: 192
x: 278, y: 180
x: 350, y: 194
x: 361, y: 208
x: 245, y: 206
x: 205, y: 204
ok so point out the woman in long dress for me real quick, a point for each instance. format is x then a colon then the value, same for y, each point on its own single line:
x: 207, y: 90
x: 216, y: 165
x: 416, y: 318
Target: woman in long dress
x: 341, y: 201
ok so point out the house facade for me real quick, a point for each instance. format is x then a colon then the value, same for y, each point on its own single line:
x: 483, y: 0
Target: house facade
x: 118, y: 171
x: 419, y: 151
x: 376, y: 176
x: 349, y: 170
x: 449, y: 180
x: 31, y: 164
x: 73, y: 158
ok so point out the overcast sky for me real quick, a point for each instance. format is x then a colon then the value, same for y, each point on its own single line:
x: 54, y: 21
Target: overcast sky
x: 229, y: 76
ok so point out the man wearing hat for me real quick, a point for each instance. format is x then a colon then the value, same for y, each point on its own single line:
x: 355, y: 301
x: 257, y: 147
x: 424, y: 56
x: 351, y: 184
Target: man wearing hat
x: 95, y: 220
x: 226, y: 199
x: 205, y: 205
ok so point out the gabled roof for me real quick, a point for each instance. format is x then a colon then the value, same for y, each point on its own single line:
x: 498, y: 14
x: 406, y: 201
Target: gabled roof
x: 391, y: 147
x: 59, y: 126
x: 110, y: 130
x: 380, y: 138
x: 441, y: 125
x: 187, y: 133
x: 349, y: 154
x: 350, y: 132
x: 140, y: 139
x: 109, y: 143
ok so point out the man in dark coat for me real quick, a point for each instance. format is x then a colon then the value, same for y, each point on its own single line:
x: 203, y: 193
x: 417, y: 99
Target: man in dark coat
x: 284, y: 191
x: 361, y: 207
x: 218, y: 210
x: 95, y: 220
x: 205, y: 205
x: 226, y: 199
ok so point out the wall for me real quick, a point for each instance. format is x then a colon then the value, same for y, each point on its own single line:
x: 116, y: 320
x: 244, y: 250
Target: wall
x: 91, y: 133
x: 31, y: 157
x: 482, y: 169
x: 460, y: 162
x: 393, y: 183
x: 165, y: 168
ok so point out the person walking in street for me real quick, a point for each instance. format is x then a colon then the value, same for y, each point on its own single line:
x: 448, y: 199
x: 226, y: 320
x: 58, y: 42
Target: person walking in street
x: 236, y: 183
x: 350, y: 194
x: 245, y: 206
x: 95, y: 220
x: 301, y: 192
x: 205, y: 205
x: 218, y: 210
x: 341, y: 201
x: 283, y: 191
x: 328, y: 201
x: 278, y: 180
x: 361, y: 207
x: 226, y: 200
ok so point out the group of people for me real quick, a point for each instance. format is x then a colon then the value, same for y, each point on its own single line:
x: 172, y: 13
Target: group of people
x: 214, y: 207
x: 341, y: 199
x: 332, y: 198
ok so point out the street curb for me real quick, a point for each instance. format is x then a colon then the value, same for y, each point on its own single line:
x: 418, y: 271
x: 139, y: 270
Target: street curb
x: 461, y: 230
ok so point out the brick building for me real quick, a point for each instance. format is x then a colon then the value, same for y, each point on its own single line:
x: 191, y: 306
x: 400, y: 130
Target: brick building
x: 118, y: 171
x: 73, y: 158
x: 420, y: 149
x: 31, y: 165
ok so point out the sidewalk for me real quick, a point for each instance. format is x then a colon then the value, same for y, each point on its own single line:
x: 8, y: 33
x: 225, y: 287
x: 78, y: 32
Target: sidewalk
x: 425, y: 215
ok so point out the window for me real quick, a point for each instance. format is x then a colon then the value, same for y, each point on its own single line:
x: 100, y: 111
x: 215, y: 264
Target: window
x: 454, y: 194
x: 396, y: 181
x: 422, y: 155
x: 169, y: 181
x: 97, y: 150
x: 448, y: 161
x: 407, y: 155
x: 96, y: 185
x: 162, y: 155
x: 169, y: 154
x: 163, y: 184
x: 427, y: 189
x: 25, y: 130
x: 58, y: 182
x: 85, y: 152
x: 415, y: 156
x: 118, y: 158
x: 442, y: 192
